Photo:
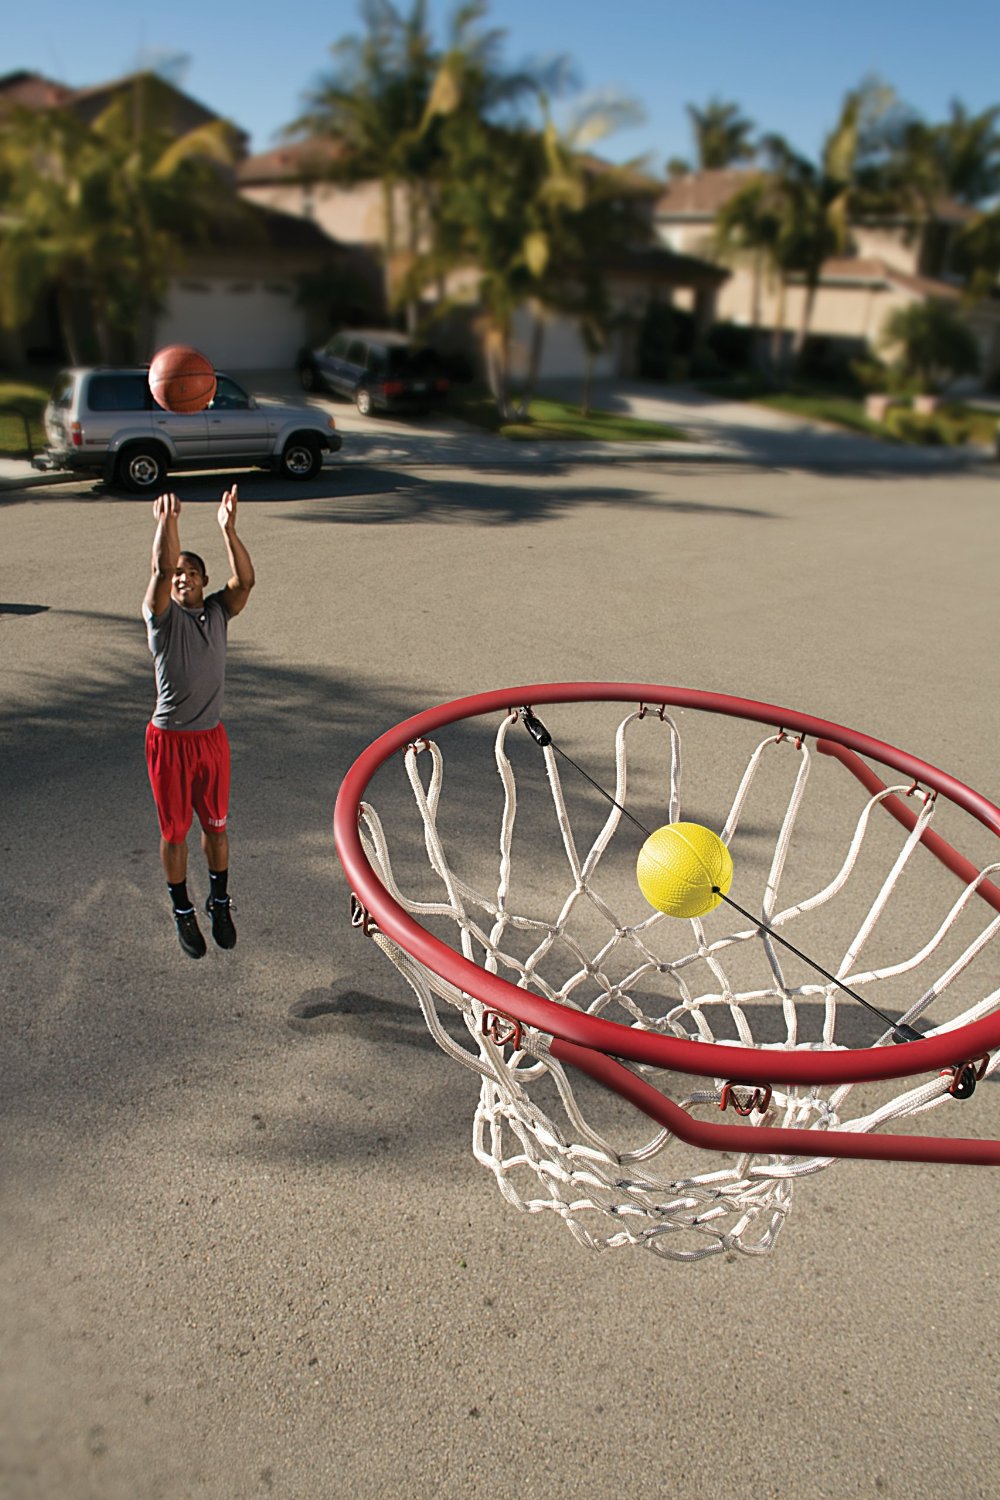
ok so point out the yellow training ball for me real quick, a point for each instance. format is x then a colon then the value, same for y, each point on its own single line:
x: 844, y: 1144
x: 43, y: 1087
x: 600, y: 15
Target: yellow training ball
x: 679, y: 864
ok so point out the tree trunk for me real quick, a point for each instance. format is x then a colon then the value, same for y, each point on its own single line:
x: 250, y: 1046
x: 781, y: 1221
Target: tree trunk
x: 496, y: 370
x: 413, y: 228
x: 67, y: 323
x: 534, y: 364
x: 799, y: 346
x: 389, y: 235
x: 778, y: 332
x: 588, y: 382
x: 144, y: 333
x: 755, y: 300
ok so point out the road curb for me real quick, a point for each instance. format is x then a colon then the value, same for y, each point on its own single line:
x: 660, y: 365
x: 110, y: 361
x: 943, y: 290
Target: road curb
x: 914, y: 461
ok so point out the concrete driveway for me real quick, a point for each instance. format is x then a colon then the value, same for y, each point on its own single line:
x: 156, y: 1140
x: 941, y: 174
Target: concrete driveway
x: 718, y: 431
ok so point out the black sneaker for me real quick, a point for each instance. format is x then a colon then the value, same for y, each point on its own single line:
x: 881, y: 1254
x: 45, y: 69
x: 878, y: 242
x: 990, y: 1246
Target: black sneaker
x: 189, y: 934
x: 223, y: 931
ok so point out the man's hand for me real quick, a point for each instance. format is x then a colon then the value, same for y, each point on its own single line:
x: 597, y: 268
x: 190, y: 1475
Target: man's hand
x: 242, y: 577
x: 227, y: 510
x: 166, y: 505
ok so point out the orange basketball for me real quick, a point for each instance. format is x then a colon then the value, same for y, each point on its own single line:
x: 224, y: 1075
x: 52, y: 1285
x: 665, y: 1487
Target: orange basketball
x: 181, y: 379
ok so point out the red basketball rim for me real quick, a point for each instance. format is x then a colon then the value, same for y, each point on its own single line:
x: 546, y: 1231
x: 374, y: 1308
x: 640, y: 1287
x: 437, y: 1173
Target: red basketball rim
x: 740, y: 1064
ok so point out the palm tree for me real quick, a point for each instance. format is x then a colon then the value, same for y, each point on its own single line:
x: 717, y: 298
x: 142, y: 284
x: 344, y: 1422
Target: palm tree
x: 101, y: 213
x: 916, y: 164
x: 977, y: 254
x: 959, y: 158
x: 748, y: 228
x: 489, y: 222
x: 587, y: 208
x: 48, y: 233
x: 816, y: 206
x: 374, y: 104
x: 526, y: 213
x: 162, y: 193
x: 498, y: 190
x: 932, y: 343
x: 721, y: 134
x: 807, y: 212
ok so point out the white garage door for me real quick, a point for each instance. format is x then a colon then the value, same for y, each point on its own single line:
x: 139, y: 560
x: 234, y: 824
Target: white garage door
x: 239, y: 325
x: 563, y: 351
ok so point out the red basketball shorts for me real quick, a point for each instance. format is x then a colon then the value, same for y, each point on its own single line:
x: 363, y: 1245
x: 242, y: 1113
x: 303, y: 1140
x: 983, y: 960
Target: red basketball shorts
x: 189, y: 772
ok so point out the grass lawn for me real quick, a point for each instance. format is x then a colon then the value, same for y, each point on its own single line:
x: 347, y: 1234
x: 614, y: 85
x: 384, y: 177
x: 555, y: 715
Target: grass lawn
x: 843, y: 407
x: 841, y: 411
x: 27, y: 397
x: 551, y: 420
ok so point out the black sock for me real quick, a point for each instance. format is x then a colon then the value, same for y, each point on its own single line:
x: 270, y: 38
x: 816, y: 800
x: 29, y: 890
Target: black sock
x: 179, y: 896
x: 219, y: 880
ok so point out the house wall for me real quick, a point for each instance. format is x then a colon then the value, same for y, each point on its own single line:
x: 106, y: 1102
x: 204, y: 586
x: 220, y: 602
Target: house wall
x: 354, y: 215
x: 852, y: 312
x: 696, y: 238
x: 882, y: 242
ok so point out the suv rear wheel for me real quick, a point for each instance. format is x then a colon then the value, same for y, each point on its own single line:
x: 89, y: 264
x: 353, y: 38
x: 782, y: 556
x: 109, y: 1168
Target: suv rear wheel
x: 301, y: 458
x: 142, y: 468
x: 363, y: 400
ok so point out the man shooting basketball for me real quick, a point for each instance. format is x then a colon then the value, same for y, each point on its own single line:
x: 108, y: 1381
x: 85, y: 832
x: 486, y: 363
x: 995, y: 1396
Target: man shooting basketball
x: 187, y: 751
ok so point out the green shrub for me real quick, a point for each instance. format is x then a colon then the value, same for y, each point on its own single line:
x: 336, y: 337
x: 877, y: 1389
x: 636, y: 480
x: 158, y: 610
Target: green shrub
x: 942, y: 429
x: 935, y: 344
x: 877, y: 378
x: 734, y: 345
x: 705, y: 364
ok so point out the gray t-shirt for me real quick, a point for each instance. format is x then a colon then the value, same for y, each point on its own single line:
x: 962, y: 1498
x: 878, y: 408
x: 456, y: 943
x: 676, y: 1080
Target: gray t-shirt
x: 189, y: 657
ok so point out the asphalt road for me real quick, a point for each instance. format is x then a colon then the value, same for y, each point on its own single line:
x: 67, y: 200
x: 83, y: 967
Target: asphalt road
x: 247, y: 1255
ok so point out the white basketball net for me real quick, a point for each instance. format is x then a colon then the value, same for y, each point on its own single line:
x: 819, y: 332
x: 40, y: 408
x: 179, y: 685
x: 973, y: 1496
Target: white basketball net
x: 557, y: 1143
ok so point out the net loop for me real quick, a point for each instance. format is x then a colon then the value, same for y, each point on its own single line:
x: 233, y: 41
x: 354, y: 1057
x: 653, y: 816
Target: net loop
x: 744, y: 1100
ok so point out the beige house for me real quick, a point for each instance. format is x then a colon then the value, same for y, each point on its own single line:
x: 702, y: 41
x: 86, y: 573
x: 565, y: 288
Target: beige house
x: 887, y: 268
x: 295, y: 179
x: 237, y: 297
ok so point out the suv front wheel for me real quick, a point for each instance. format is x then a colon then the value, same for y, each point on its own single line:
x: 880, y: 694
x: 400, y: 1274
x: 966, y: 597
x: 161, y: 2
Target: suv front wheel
x: 142, y: 468
x: 301, y: 458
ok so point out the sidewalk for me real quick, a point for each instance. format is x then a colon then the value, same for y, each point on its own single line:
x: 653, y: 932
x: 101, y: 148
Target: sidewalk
x: 720, y: 432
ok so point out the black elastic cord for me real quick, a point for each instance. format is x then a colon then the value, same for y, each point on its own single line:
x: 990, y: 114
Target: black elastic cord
x: 901, y: 1032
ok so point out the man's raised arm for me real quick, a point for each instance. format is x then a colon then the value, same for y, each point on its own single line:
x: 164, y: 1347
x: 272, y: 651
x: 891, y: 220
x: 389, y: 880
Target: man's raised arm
x: 166, y: 551
x: 242, y: 577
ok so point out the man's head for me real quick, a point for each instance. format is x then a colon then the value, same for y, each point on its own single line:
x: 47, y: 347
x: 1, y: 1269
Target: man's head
x: 190, y: 578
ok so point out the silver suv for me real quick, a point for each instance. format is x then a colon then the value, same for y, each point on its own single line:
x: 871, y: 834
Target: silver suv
x: 107, y: 421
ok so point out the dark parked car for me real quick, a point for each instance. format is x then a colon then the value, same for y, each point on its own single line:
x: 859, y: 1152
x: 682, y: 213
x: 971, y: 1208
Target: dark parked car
x: 379, y: 371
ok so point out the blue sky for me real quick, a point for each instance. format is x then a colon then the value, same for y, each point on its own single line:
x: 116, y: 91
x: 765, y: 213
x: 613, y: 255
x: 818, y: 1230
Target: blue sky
x: 787, y: 63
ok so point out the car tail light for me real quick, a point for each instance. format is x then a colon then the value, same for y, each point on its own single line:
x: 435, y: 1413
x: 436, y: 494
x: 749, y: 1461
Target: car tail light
x: 395, y: 387
x: 331, y: 422
x: 441, y: 384
x: 76, y: 434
